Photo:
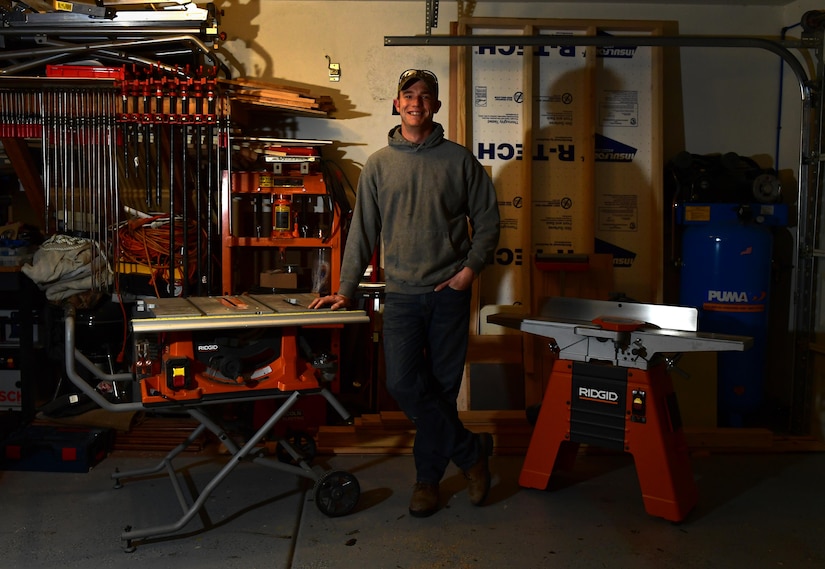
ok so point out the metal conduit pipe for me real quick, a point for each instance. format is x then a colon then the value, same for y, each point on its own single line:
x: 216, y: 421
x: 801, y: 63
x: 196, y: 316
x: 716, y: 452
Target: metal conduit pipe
x: 64, y: 49
x: 613, y: 41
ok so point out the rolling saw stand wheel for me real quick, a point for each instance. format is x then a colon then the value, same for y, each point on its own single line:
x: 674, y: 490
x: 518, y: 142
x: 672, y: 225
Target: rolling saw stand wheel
x: 336, y: 493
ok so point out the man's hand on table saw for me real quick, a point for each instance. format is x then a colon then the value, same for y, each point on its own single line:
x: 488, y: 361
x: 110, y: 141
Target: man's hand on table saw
x: 334, y: 301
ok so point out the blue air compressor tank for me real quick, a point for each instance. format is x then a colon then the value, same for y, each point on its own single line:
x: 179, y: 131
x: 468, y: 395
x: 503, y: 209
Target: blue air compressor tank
x: 726, y: 273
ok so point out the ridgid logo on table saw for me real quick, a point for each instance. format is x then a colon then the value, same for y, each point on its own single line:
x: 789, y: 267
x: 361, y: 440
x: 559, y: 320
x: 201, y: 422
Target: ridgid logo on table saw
x: 598, y: 395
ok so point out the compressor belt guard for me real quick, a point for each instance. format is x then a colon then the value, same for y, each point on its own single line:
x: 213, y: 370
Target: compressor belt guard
x: 609, y: 387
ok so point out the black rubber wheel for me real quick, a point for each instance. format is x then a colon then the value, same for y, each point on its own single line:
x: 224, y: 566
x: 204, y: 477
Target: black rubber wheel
x: 336, y: 493
x: 303, y: 444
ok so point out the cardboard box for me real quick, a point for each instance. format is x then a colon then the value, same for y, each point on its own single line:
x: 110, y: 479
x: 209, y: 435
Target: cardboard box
x: 278, y: 279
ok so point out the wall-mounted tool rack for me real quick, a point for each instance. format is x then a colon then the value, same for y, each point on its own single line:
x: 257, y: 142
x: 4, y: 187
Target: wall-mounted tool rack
x: 117, y: 106
x: 140, y: 141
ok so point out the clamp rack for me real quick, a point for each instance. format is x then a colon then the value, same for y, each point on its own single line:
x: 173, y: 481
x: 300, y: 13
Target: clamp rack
x: 184, y: 362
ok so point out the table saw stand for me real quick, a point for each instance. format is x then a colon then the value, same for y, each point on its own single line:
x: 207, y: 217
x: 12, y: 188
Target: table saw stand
x: 183, y: 362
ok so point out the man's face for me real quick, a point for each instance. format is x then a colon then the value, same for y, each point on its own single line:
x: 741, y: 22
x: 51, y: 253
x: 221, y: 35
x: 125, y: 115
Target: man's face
x: 416, y: 105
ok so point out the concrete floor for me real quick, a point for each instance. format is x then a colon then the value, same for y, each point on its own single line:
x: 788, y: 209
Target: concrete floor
x: 755, y: 511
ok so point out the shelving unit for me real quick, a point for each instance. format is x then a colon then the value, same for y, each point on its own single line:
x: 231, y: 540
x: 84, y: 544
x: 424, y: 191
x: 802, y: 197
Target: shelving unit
x: 280, y: 219
x: 281, y: 230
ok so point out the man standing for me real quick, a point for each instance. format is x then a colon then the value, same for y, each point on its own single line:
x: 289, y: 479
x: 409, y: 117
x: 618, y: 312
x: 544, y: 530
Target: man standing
x: 434, y: 208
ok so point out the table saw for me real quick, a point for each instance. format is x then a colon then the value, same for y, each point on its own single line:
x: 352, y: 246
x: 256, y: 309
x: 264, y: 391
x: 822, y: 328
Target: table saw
x: 193, y: 352
x: 609, y: 387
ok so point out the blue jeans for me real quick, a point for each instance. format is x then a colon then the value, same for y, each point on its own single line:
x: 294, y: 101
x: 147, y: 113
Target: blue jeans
x: 425, y: 347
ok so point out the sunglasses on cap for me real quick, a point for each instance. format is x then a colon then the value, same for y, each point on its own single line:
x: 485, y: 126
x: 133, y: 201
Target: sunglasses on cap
x: 427, y: 76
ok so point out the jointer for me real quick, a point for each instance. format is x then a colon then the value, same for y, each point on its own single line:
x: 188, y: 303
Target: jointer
x: 609, y: 387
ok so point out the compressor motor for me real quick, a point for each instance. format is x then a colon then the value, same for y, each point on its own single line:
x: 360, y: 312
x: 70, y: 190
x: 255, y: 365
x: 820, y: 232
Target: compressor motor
x: 723, y: 178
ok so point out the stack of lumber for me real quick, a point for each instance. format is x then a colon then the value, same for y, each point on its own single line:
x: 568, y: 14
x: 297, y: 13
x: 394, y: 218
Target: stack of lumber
x: 160, y: 433
x: 390, y: 432
x: 281, y: 97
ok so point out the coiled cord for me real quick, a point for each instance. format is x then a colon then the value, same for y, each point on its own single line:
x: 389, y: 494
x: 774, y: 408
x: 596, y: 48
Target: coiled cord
x: 147, y: 242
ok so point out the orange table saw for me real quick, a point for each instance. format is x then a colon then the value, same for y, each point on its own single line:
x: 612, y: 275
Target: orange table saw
x: 198, y: 351
x: 609, y: 387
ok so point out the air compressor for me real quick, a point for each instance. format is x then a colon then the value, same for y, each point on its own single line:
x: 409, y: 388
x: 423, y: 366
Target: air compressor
x: 728, y: 208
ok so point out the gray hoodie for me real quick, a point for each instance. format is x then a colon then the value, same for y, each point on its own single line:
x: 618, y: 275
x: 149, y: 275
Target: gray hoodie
x: 419, y: 198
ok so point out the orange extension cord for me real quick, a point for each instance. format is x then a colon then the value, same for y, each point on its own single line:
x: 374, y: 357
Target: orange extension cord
x: 146, y: 242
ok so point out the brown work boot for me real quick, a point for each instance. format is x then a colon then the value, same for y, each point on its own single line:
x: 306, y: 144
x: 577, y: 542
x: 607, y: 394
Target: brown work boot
x: 478, y: 475
x: 424, y: 501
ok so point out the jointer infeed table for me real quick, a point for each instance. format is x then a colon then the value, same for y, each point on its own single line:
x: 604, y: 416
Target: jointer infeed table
x: 193, y: 352
x: 609, y: 387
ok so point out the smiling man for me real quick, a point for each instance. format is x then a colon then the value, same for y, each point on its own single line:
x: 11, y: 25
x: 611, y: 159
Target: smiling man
x: 434, y: 209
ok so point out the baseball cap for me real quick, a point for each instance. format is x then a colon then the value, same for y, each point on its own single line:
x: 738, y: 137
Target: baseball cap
x: 412, y: 75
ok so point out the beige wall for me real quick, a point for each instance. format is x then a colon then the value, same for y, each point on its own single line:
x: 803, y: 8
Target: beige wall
x: 730, y: 95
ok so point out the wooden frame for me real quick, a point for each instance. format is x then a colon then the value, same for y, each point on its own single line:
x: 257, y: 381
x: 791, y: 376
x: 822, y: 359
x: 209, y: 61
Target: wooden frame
x: 582, y: 179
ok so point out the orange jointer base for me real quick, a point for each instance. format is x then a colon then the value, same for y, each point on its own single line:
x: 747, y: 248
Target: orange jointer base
x: 620, y: 408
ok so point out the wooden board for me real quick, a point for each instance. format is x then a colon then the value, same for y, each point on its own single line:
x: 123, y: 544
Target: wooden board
x: 572, y: 138
x: 160, y: 434
x: 392, y: 433
x: 268, y: 95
